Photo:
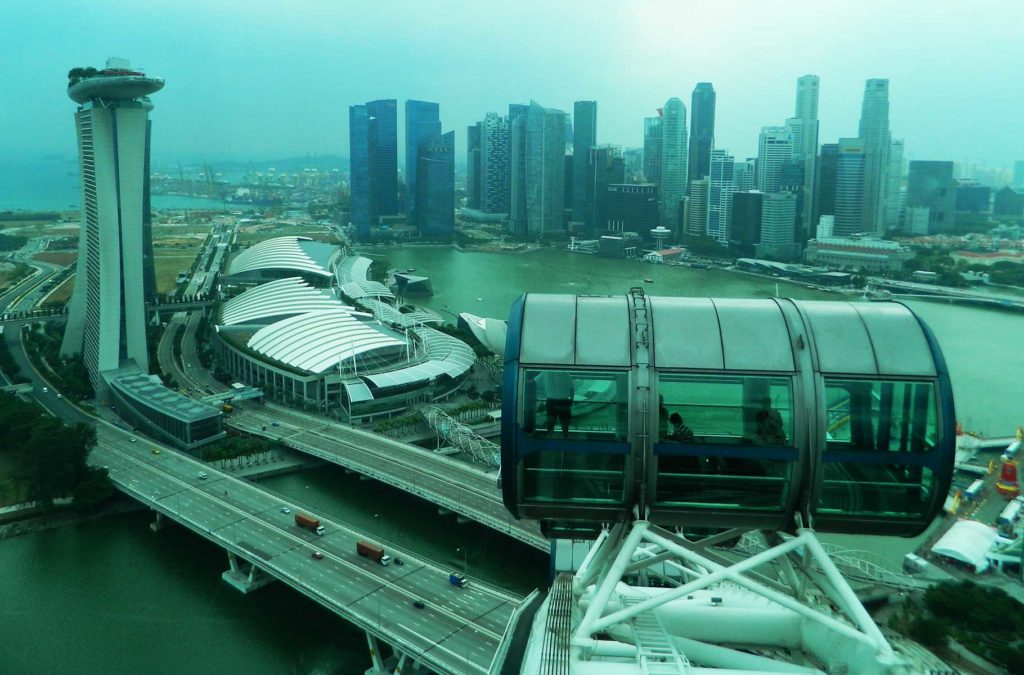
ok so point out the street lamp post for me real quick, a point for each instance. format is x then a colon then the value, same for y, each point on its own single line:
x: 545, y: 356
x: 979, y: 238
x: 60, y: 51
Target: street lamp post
x: 465, y: 560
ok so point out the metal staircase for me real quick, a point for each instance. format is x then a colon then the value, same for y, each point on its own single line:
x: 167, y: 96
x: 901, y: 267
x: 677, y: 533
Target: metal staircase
x: 658, y: 655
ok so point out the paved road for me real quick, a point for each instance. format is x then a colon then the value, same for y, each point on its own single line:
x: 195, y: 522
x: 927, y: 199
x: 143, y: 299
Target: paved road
x: 458, y: 630
x: 460, y: 487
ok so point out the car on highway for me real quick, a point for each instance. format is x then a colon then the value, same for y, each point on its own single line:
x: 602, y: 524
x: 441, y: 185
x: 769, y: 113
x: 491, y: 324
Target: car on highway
x: 318, y: 555
x: 398, y: 561
x: 46, y: 390
x: 274, y: 424
x: 203, y: 475
x: 60, y: 395
x: 285, y: 509
x: 418, y: 604
x: 156, y: 451
x: 132, y: 439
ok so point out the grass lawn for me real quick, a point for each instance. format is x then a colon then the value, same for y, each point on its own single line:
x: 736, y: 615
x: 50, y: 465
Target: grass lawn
x: 61, y: 294
x: 57, y: 257
x: 167, y: 268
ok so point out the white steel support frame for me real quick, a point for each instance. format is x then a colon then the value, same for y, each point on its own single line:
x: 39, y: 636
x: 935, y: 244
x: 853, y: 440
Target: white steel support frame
x: 378, y: 666
x: 784, y: 578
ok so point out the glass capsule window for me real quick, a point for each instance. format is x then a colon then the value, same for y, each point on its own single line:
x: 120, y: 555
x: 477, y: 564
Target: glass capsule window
x: 878, y: 436
x: 724, y: 441
x: 732, y: 410
x: 574, y: 477
x: 575, y: 405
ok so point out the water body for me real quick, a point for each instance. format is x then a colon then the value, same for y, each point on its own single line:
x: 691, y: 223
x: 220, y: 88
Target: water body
x: 113, y: 597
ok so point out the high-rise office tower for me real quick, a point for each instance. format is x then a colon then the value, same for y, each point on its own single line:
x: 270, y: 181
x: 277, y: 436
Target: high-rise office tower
x: 422, y: 123
x: 629, y: 207
x: 774, y: 147
x: 894, y: 185
x: 697, y: 215
x: 791, y: 180
x: 474, y: 165
x: 494, y: 164
x: 107, y: 314
x: 517, y: 167
x: 825, y: 169
x: 931, y: 186
x: 584, y: 137
x: 778, y: 215
x: 849, y: 200
x: 745, y: 174
x: 606, y: 167
x: 807, y: 147
x: 745, y: 232
x: 702, y: 131
x: 720, y: 191
x: 874, y: 131
x: 674, y: 159
x: 148, y: 264
x: 538, y: 170
x: 435, y: 186
x: 373, y: 156
x: 652, y: 149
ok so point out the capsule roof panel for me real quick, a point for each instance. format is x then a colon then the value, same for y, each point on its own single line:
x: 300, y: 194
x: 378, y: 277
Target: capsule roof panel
x: 868, y: 339
x: 575, y: 331
x: 717, y: 334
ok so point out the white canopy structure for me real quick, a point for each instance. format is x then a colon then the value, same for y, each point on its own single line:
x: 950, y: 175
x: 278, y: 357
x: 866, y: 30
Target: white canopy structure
x: 276, y: 300
x: 298, y: 254
x: 967, y: 541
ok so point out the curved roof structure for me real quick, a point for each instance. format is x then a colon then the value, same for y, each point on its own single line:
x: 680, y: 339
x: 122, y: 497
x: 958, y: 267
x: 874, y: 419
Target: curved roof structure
x: 967, y: 541
x: 390, y: 314
x: 490, y: 332
x: 277, y: 299
x: 317, y: 341
x: 445, y: 356
x: 116, y: 87
x: 297, y: 254
x: 353, y: 268
x: 357, y: 290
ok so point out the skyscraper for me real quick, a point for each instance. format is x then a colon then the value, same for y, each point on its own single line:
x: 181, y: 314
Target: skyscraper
x: 435, y: 185
x: 517, y: 168
x: 674, y: 156
x: 778, y: 214
x: 606, y: 167
x: 931, y: 186
x: 774, y: 148
x: 538, y: 170
x: 849, y: 200
x: 825, y: 168
x: 584, y: 137
x: 373, y: 157
x: 494, y: 164
x: 745, y: 232
x: 107, y: 315
x: 652, y: 149
x: 720, y: 191
x: 807, y: 147
x: 874, y: 131
x: 697, y: 217
x: 702, y: 131
x: 894, y: 185
x: 422, y: 123
x: 474, y: 165
x: 745, y: 174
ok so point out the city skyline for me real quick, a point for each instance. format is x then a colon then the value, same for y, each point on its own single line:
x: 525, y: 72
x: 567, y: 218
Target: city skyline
x: 328, y: 66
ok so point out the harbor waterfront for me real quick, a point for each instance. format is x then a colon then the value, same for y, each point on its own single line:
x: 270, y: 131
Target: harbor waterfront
x: 94, y: 586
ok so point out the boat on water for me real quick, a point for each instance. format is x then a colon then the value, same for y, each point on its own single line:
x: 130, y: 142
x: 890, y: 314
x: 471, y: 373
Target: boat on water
x: 648, y: 280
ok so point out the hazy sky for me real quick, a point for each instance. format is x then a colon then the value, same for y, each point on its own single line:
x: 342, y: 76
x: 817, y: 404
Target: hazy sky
x: 265, y: 79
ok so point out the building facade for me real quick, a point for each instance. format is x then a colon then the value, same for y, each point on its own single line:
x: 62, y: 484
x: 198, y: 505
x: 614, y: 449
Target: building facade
x: 774, y: 148
x: 874, y: 132
x: 930, y: 185
x: 435, y: 185
x: 849, y: 199
x: 584, y: 137
x: 538, y: 179
x: 630, y: 207
x: 652, y: 150
x: 746, y: 222
x: 697, y: 213
x: 674, y: 158
x: 422, y: 124
x: 107, y: 315
x: 826, y: 169
x: 702, y: 131
x: 494, y: 164
x: 806, y: 149
x: 720, y: 191
x: 373, y: 157
x: 778, y: 218
x: 474, y: 165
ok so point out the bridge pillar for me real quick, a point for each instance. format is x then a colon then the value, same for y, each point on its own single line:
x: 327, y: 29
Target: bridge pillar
x: 244, y: 576
x: 375, y: 658
x: 158, y: 523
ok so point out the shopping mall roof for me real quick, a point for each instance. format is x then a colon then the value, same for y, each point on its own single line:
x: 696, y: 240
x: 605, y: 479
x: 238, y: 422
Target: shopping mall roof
x: 276, y: 300
x: 299, y: 254
x: 318, y: 341
x: 352, y: 279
